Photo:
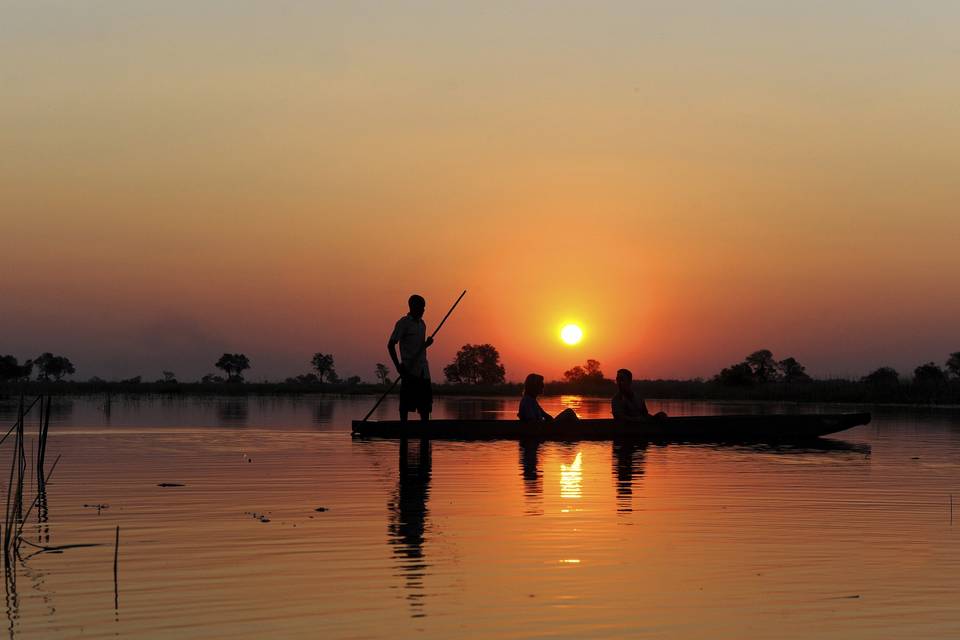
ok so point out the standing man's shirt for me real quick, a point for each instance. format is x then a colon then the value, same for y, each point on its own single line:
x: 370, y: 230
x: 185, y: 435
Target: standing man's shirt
x: 628, y: 407
x: 410, y: 334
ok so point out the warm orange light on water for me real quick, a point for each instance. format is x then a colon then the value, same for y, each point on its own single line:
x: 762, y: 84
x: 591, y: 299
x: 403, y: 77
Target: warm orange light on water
x: 571, y: 478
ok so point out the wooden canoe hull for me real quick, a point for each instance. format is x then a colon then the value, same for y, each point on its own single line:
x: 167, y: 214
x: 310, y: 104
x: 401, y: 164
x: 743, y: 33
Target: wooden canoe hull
x: 722, y: 428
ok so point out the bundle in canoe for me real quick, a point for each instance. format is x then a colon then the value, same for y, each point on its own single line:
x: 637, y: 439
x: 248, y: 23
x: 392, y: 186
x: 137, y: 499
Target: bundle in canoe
x: 723, y: 428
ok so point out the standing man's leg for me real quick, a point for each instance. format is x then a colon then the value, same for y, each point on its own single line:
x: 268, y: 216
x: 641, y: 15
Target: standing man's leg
x: 425, y: 400
x: 404, y: 399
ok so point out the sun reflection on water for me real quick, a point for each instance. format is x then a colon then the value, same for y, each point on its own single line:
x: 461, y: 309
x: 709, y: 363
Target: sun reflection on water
x: 571, y: 478
x: 572, y: 402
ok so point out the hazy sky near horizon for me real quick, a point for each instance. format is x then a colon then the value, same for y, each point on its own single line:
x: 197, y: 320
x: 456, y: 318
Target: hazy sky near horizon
x: 690, y: 181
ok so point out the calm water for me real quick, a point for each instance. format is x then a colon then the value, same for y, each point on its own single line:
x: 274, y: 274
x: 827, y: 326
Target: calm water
x: 485, y: 540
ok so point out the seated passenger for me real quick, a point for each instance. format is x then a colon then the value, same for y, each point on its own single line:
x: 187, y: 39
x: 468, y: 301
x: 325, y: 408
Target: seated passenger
x: 530, y: 409
x: 626, y: 405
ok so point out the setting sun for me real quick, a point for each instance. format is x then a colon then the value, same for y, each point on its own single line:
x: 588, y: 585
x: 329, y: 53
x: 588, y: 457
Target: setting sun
x: 571, y: 334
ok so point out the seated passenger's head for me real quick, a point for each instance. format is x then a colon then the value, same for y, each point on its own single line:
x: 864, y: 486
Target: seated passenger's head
x: 533, y: 385
x: 417, y: 305
x: 624, y: 380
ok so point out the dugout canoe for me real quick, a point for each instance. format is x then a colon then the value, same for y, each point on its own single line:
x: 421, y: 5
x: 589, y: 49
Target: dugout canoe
x: 720, y: 428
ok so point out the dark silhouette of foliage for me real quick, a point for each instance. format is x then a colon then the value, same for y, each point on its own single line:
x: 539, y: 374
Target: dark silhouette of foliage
x: 353, y: 381
x: 306, y: 378
x: 588, y: 373
x: 211, y: 378
x: 169, y: 377
x: 884, y: 377
x: 792, y: 371
x: 51, y: 366
x: 475, y: 364
x: 763, y: 366
x: 383, y: 374
x: 953, y: 364
x: 233, y: 364
x: 323, y: 365
x: 736, y: 375
x: 10, y: 369
x: 929, y: 374
x: 133, y: 380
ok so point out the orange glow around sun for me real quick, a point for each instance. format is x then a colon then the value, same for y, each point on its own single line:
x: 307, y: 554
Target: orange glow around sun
x: 571, y: 334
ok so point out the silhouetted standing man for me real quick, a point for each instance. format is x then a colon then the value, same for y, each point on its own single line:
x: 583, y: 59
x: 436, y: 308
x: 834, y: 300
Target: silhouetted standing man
x: 410, y: 333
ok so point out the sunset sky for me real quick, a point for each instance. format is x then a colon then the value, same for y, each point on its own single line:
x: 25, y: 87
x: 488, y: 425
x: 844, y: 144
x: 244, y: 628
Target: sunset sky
x: 688, y: 181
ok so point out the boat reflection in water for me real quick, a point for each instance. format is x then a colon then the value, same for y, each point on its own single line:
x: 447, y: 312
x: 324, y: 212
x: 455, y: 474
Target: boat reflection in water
x: 628, y: 461
x: 532, y: 476
x: 407, y: 526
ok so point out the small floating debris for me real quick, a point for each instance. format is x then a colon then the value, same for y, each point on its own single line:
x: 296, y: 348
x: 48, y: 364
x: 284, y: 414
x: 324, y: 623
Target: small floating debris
x: 321, y: 509
x: 262, y: 517
x: 171, y: 484
x: 98, y: 507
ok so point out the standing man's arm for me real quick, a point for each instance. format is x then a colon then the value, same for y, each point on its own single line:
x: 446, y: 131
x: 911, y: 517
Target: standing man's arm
x: 392, y: 350
x: 392, y: 347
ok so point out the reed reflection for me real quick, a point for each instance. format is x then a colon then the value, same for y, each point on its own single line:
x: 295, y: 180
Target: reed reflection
x: 629, y: 458
x: 323, y: 412
x: 408, y: 520
x: 233, y: 412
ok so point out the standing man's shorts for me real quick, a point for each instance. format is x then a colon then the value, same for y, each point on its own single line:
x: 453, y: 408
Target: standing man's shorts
x: 416, y: 394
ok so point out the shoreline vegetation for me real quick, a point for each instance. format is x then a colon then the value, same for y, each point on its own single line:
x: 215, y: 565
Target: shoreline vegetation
x: 814, y: 391
x: 477, y: 371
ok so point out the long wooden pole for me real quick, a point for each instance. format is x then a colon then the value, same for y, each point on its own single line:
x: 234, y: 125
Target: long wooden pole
x: 435, y: 332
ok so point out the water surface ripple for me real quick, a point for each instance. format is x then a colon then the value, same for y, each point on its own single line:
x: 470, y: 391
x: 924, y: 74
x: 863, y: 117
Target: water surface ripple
x: 849, y: 539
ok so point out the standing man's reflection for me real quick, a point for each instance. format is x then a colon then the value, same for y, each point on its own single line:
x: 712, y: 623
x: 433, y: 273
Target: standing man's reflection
x: 408, y: 517
x: 628, y: 459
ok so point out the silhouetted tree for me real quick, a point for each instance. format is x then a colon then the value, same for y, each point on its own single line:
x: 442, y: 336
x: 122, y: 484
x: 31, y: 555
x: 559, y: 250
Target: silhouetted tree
x: 574, y: 374
x: 383, y: 374
x: 233, y: 364
x: 10, y: 369
x: 882, y: 377
x: 953, y: 364
x: 589, y: 373
x: 211, y: 378
x: 929, y: 374
x: 133, y: 380
x: 475, y: 364
x: 792, y: 371
x: 353, y: 381
x: 763, y: 366
x: 736, y: 375
x: 323, y: 365
x: 51, y: 366
x: 169, y: 377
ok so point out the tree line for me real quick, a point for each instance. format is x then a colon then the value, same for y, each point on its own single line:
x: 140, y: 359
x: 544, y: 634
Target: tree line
x: 760, y: 367
x: 47, y: 365
x: 480, y: 365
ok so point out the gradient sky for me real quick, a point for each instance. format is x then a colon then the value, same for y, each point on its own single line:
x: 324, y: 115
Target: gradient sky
x: 690, y: 181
